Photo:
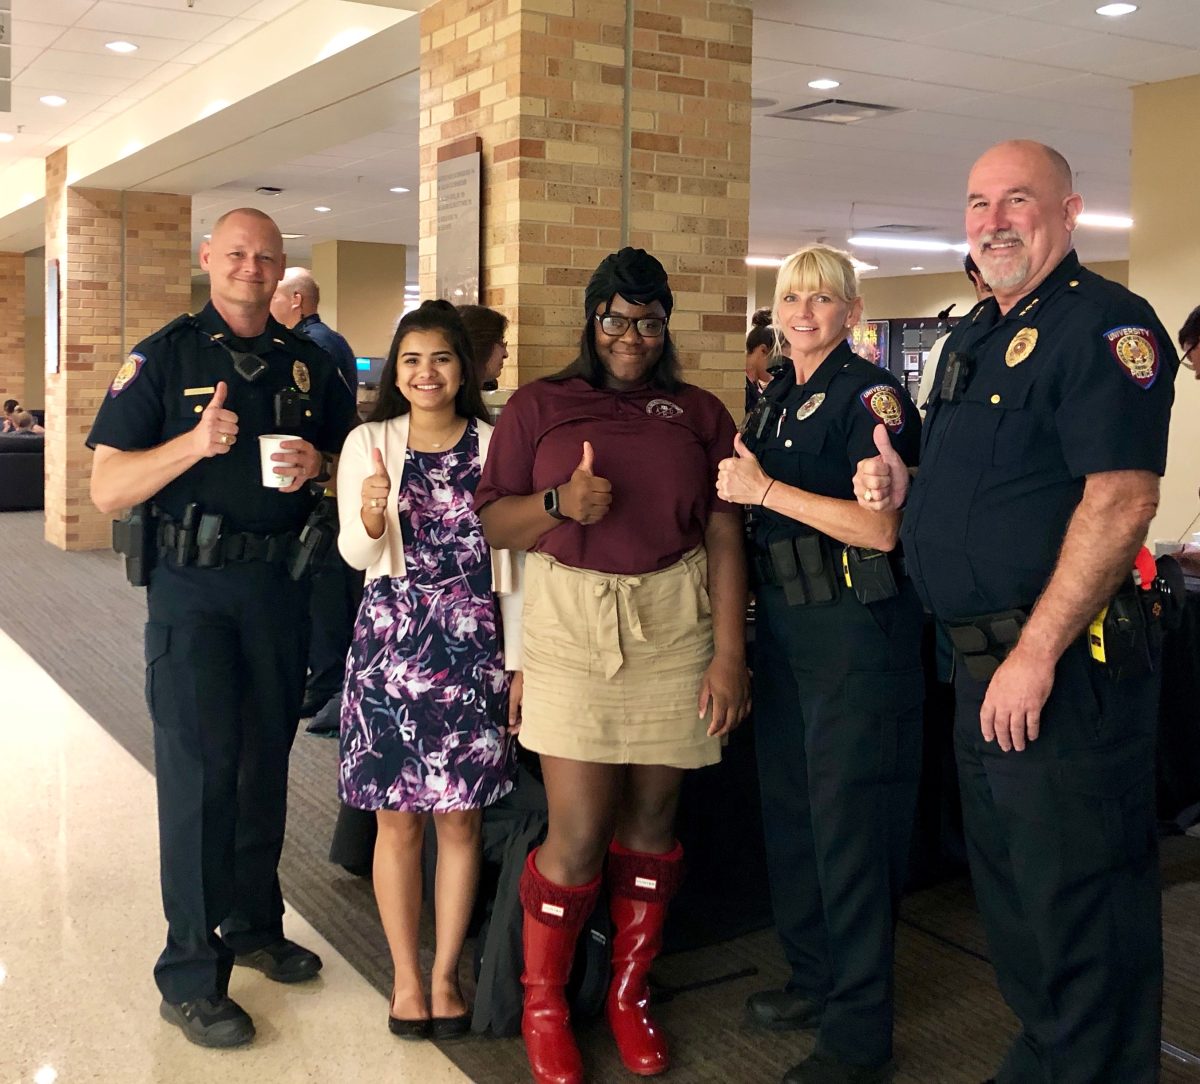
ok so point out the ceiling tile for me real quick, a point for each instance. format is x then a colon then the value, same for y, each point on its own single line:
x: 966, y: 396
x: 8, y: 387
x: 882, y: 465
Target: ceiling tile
x: 130, y: 20
x: 58, y: 12
x: 225, y: 8
x: 81, y: 40
x: 105, y: 64
x: 200, y: 52
x: 61, y: 80
x: 36, y: 33
x: 233, y: 31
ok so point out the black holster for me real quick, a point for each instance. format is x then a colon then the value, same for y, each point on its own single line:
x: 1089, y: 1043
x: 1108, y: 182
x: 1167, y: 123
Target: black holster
x: 134, y: 537
x: 316, y: 537
x: 869, y: 574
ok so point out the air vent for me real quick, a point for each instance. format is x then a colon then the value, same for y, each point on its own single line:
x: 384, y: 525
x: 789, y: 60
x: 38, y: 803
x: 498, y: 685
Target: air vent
x: 836, y: 111
x: 268, y: 190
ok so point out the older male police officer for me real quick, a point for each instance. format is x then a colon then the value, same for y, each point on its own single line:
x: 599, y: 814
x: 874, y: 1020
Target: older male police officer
x: 1046, y: 437
x: 225, y: 639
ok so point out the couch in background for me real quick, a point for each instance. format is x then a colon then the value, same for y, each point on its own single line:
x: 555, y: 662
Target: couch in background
x: 22, y: 472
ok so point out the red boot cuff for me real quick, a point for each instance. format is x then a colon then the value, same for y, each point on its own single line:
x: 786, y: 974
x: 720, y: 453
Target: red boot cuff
x: 651, y: 878
x: 554, y: 904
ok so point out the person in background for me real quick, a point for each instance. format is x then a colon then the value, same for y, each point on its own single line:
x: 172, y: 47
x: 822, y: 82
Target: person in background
x: 932, y: 360
x: 11, y: 406
x: 1039, y: 478
x: 226, y: 635
x: 634, y: 645
x: 336, y: 587
x: 838, y: 688
x: 486, y: 329
x: 426, y: 710
x: 762, y: 345
x: 24, y: 425
x: 1189, y: 340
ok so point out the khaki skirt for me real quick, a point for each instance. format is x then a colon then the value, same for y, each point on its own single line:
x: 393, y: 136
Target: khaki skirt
x: 613, y: 664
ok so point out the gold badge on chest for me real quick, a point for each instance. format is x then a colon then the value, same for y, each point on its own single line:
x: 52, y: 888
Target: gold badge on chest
x: 1021, y: 346
x: 300, y: 376
x: 809, y: 407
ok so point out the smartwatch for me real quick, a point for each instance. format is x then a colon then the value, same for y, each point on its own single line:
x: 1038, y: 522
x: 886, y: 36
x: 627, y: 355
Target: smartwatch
x: 550, y: 503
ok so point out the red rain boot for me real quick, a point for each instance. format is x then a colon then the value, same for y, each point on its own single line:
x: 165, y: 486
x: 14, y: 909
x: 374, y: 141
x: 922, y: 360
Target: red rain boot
x: 640, y: 887
x: 554, y: 915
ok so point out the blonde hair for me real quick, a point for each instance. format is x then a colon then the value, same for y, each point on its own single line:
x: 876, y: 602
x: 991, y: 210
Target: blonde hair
x: 816, y: 267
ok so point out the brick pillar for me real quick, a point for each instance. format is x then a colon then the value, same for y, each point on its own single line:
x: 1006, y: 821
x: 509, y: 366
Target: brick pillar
x: 574, y: 167
x: 124, y: 271
x: 12, y: 326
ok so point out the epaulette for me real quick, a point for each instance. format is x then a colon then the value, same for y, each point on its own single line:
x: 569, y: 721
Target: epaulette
x: 187, y: 320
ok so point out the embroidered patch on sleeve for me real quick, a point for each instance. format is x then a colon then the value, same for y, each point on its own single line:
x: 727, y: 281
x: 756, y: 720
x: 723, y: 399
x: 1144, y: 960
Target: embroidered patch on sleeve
x: 126, y: 374
x: 1135, y: 350
x: 883, y: 404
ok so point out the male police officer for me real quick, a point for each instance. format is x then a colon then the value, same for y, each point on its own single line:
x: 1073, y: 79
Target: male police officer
x: 225, y: 637
x: 1046, y: 437
x: 294, y: 304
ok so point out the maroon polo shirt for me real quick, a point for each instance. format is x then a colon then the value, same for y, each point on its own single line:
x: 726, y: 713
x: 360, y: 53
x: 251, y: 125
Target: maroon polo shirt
x: 659, y: 450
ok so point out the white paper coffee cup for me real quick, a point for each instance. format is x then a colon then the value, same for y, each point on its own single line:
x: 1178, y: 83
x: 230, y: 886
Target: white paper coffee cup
x: 268, y: 445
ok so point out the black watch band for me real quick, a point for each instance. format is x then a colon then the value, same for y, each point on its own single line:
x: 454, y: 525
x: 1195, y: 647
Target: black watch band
x: 550, y: 503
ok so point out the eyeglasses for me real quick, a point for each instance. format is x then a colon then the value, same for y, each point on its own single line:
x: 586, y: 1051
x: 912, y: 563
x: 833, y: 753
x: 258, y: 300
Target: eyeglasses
x: 648, y: 327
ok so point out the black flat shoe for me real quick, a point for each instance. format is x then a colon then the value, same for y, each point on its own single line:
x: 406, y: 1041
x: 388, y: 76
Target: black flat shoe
x: 282, y: 961
x: 783, y: 1010
x: 450, y: 1027
x: 408, y: 1029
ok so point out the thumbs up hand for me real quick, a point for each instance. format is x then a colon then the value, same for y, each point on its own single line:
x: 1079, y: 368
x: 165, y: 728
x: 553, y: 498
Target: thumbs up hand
x: 216, y: 432
x: 585, y: 498
x: 740, y: 478
x: 881, y: 482
x: 375, y: 489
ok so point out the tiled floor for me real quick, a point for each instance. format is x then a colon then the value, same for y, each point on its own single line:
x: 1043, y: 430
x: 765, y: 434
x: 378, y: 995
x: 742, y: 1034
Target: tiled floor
x: 81, y: 924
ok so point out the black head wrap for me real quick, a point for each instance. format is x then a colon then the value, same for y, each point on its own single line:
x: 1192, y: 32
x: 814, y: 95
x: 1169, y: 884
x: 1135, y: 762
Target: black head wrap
x: 634, y: 274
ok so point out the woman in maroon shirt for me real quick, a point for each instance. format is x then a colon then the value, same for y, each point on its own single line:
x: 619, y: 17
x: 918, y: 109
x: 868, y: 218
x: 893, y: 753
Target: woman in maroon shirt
x: 633, y: 639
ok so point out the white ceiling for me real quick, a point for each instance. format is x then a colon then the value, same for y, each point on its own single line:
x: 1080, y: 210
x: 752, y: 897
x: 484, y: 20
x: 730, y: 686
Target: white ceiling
x: 966, y: 73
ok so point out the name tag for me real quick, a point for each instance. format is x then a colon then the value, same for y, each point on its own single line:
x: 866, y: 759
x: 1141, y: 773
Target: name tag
x: 198, y: 391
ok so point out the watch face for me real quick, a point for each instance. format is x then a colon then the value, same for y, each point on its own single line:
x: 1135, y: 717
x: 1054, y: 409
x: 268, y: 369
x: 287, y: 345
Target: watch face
x: 550, y: 502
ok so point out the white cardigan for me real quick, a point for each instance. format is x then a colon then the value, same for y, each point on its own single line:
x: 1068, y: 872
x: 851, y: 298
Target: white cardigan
x: 384, y: 556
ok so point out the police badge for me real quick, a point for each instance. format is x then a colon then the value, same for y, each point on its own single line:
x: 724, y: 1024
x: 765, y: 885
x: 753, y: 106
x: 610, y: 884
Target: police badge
x: 300, y: 376
x: 1021, y: 346
x: 810, y: 406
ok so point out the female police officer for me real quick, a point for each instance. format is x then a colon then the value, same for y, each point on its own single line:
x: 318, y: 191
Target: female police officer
x: 837, y: 679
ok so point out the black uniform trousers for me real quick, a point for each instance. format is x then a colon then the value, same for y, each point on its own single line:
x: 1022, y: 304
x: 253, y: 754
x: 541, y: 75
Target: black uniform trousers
x: 225, y: 656
x: 838, y: 692
x: 1064, y: 857
x: 336, y: 593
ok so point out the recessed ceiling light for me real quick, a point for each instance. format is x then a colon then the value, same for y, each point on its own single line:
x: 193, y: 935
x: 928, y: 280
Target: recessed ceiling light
x: 824, y: 84
x: 6, y: 137
x: 398, y: 190
x: 322, y: 210
x: 1109, y: 222
x: 53, y: 99
x: 901, y: 245
x: 120, y: 46
x: 917, y: 268
x: 292, y: 236
x: 860, y: 267
x: 764, y: 261
x: 1113, y: 10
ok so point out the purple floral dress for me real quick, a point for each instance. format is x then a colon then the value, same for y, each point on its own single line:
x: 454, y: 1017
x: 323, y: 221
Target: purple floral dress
x: 426, y: 695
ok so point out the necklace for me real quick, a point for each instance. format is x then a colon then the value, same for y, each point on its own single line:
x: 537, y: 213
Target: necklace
x: 417, y: 437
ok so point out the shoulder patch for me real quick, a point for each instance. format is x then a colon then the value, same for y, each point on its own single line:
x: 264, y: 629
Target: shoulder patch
x: 126, y: 374
x: 1135, y: 350
x: 883, y: 404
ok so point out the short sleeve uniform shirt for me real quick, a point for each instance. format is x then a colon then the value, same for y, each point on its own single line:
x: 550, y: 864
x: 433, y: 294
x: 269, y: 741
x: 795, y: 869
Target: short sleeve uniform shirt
x: 163, y: 387
x: 1076, y: 379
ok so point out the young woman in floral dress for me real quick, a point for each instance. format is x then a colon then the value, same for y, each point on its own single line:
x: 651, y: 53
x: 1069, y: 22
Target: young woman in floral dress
x: 426, y: 723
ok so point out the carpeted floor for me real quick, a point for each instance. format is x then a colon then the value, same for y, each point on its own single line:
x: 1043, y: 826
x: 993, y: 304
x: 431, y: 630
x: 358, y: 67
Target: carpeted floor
x: 82, y: 623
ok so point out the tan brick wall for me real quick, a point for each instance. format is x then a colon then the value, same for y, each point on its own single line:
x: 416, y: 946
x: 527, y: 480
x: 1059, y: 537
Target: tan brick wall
x: 542, y: 82
x: 12, y: 326
x: 150, y: 281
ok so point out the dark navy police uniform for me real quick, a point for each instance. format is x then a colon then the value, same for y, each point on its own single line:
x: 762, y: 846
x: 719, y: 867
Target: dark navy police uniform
x: 225, y: 647
x: 838, y: 693
x: 1076, y: 379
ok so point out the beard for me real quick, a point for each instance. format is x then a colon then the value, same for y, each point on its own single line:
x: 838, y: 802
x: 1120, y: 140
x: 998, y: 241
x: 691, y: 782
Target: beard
x: 1016, y: 267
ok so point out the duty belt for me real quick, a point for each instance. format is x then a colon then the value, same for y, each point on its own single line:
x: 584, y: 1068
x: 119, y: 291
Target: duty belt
x: 237, y: 546
x: 803, y: 566
x: 984, y: 642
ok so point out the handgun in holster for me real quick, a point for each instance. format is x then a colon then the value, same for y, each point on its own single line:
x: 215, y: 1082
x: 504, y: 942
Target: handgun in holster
x: 134, y: 537
x: 1127, y: 633
x: 869, y: 574
x: 316, y: 537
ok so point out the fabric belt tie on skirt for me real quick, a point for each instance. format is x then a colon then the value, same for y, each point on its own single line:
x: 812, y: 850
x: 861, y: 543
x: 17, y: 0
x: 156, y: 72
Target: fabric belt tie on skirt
x: 615, y: 594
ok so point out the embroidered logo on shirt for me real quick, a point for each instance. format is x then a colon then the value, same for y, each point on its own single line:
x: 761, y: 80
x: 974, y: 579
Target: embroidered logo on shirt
x: 809, y: 407
x: 300, y: 376
x: 126, y: 374
x: 1021, y: 346
x: 883, y: 403
x: 1135, y: 351
x: 663, y: 408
